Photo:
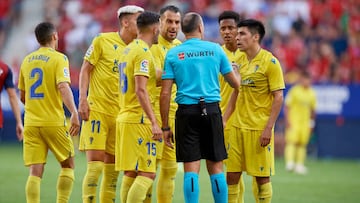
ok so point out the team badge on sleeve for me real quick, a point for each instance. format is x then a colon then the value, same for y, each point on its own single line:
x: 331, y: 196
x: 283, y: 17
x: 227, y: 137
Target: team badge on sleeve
x: 89, y: 51
x: 144, y: 66
x: 66, y: 72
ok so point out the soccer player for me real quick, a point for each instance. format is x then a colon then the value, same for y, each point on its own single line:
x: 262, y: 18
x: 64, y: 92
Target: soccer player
x: 300, y: 103
x: 44, y: 84
x: 169, y: 27
x: 137, y: 128
x: 259, y: 104
x: 99, y: 105
x: 228, y: 21
x: 194, y: 67
x: 6, y: 80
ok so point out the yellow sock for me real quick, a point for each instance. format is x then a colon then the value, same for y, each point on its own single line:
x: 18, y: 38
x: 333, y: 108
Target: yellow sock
x: 32, y: 189
x: 148, y: 195
x: 90, y: 181
x: 233, y: 193
x: 265, y: 193
x: 255, y: 189
x: 65, y: 185
x: 166, y: 183
x: 138, y: 190
x: 289, y: 153
x: 108, y: 184
x: 301, y: 155
x: 241, y: 190
x: 125, y: 187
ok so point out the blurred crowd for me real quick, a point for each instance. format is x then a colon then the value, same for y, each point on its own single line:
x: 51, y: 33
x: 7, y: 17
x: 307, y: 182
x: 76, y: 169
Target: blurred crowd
x: 320, y: 36
x: 10, y: 11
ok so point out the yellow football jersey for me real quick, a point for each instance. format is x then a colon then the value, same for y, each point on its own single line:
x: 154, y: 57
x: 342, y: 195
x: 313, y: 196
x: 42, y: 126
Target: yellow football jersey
x: 300, y: 102
x: 259, y: 78
x: 136, y: 60
x: 159, y: 52
x: 41, y: 71
x: 225, y: 89
x: 104, y: 54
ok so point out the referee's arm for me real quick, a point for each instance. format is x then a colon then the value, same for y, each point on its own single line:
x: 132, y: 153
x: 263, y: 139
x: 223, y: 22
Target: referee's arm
x: 165, y: 96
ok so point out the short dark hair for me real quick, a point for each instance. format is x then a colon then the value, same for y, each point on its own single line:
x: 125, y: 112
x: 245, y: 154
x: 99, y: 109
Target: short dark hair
x: 169, y: 8
x: 146, y: 19
x: 190, y: 22
x: 229, y: 15
x: 44, y: 32
x: 254, y: 26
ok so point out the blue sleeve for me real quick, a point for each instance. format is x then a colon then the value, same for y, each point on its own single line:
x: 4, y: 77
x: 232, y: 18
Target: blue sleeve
x: 168, y: 72
x: 9, y: 80
x: 225, y: 66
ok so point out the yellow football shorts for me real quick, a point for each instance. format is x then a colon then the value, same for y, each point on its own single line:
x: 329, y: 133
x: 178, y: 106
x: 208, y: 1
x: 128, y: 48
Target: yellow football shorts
x: 38, y: 140
x: 135, y: 150
x: 246, y: 154
x: 98, y: 133
x: 163, y: 151
x: 298, y: 135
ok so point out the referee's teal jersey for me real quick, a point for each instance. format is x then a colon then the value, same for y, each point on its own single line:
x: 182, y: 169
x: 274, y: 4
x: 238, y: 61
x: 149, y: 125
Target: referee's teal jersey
x: 195, y: 66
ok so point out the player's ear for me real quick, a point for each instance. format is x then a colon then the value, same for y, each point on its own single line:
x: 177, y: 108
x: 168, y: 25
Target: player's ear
x: 55, y: 36
x: 256, y: 37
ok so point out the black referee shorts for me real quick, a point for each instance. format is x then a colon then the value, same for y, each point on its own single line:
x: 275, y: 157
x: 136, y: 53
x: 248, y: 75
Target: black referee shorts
x: 199, y: 136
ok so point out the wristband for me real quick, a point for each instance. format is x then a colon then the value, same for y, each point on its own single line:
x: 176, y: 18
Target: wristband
x: 165, y: 129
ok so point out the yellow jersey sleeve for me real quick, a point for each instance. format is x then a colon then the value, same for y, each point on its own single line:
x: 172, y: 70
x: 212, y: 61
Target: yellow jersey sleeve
x: 94, y: 51
x: 63, y: 71
x: 275, y: 75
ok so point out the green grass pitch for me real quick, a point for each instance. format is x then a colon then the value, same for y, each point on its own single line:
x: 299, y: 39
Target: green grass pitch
x: 328, y: 181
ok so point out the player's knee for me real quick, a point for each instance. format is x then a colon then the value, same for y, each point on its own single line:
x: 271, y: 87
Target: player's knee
x: 262, y: 180
x: 233, y: 178
x: 68, y: 163
x: 37, y: 170
x: 147, y: 174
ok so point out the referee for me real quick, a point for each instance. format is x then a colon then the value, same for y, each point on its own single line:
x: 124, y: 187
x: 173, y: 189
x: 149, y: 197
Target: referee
x: 194, y: 67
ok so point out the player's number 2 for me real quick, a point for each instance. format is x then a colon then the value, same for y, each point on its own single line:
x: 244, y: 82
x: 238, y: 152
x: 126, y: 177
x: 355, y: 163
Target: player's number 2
x: 123, y: 78
x: 37, y: 74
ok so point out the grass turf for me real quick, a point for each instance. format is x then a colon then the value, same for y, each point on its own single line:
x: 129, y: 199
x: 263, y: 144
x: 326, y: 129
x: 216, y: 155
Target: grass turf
x: 328, y: 181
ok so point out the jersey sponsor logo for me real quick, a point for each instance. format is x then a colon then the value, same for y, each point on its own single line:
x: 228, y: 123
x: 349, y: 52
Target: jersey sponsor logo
x: 248, y: 81
x: 181, y: 56
x: 144, y: 66
x: 89, y: 51
x: 66, y: 72
x: 200, y: 54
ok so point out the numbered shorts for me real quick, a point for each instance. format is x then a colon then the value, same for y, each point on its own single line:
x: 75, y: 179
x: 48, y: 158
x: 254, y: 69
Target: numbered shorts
x: 98, y: 133
x: 298, y: 135
x: 38, y: 141
x: 246, y: 154
x: 135, y: 150
x: 163, y: 151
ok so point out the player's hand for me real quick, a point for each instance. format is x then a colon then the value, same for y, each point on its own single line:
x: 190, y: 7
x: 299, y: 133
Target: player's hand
x: 19, y: 131
x: 84, y: 109
x: 265, y: 137
x: 75, y: 124
x: 169, y: 138
x: 157, y: 132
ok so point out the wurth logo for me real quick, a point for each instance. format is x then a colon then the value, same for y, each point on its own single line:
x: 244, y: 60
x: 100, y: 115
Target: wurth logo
x: 181, y: 55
